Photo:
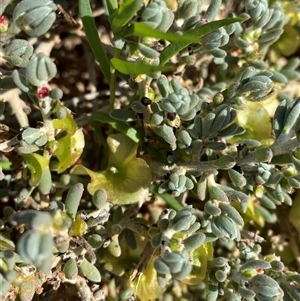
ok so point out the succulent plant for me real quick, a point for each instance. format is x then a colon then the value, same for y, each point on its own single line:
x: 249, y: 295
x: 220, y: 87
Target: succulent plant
x: 169, y: 191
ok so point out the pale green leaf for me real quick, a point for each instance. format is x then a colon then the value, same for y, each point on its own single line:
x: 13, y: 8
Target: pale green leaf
x: 69, y: 150
x: 144, y: 31
x: 136, y: 68
x: 36, y: 165
x: 126, y: 12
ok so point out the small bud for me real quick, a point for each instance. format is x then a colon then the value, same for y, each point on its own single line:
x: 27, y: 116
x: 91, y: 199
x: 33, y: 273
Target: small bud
x: 3, y: 24
x: 56, y: 93
x: 188, y: 60
x: 220, y: 275
x: 61, y: 113
x: 43, y: 92
x: 218, y: 98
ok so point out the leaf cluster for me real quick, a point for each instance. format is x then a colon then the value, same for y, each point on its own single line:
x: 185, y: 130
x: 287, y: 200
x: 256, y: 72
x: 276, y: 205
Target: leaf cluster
x: 203, y: 153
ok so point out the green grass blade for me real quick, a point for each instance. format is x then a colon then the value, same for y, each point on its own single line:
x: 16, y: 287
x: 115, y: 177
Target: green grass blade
x: 137, y: 68
x: 126, y: 12
x: 144, y: 31
x: 112, y: 6
x: 198, y: 32
x: 122, y: 127
x: 90, y: 29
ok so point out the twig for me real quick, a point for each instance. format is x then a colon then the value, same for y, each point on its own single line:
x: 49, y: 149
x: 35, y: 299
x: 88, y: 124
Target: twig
x: 144, y: 259
x: 8, y: 145
x: 83, y: 289
x: 18, y: 106
x: 47, y: 46
x: 277, y: 148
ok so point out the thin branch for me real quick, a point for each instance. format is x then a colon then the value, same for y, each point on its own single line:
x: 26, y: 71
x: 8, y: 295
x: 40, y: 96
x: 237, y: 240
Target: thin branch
x: 278, y: 148
x: 18, y: 106
x: 8, y: 145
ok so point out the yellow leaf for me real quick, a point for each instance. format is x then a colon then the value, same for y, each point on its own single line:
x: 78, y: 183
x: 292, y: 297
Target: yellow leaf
x: 126, y: 178
x: 79, y: 227
x: 68, y: 123
x: 69, y: 150
x: 199, y: 258
x: 145, y: 286
x: 289, y: 41
x: 36, y: 165
x: 256, y: 121
x: 122, y: 149
x: 252, y: 215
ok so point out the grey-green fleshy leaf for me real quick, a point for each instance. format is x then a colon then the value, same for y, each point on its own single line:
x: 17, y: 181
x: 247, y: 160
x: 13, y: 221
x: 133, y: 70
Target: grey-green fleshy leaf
x: 35, y: 17
x: 40, y: 70
x: 90, y: 271
x: 291, y: 116
x: 194, y: 241
x: 161, y: 267
x: 232, y: 213
x: 73, y: 199
x: 99, y: 198
x: 237, y: 178
x: 216, y: 193
x: 70, y: 269
x: 30, y: 135
x: 20, y: 81
x: 226, y: 226
x: 46, y: 181
x: 255, y: 264
x: 212, y: 209
x: 18, y: 52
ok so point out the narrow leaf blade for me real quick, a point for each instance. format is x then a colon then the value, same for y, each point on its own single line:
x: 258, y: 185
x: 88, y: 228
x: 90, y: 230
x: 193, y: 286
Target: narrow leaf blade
x: 122, y: 127
x: 137, y: 68
x: 198, y: 33
x: 126, y: 12
x: 112, y: 6
x: 142, y: 30
x: 90, y: 29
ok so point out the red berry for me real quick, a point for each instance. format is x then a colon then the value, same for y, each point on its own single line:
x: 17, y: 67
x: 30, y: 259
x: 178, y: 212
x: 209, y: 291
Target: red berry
x: 43, y: 92
x: 3, y: 24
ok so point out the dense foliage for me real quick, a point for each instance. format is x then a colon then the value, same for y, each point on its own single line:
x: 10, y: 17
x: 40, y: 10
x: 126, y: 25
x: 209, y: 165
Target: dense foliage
x: 171, y: 175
